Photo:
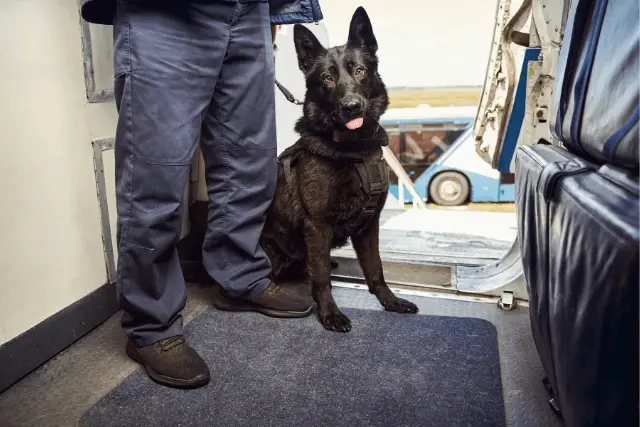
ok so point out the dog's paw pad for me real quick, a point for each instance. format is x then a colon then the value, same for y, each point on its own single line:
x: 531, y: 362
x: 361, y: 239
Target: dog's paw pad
x: 400, y: 305
x: 336, y: 322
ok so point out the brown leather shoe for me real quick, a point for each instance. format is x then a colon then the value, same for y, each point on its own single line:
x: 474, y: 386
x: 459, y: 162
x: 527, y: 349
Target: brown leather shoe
x: 171, y: 362
x: 274, y: 301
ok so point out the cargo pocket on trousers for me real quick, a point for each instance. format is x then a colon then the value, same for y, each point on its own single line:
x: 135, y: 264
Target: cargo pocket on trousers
x: 157, y: 194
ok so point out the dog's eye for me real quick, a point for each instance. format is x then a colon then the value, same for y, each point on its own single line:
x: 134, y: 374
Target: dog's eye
x: 359, y: 71
x: 328, y: 79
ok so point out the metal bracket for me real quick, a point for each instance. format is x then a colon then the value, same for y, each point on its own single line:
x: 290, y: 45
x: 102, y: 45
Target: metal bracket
x: 493, y: 86
x: 548, y: 22
x: 99, y: 146
x: 542, y: 113
x: 93, y: 95
x: 507, y: 302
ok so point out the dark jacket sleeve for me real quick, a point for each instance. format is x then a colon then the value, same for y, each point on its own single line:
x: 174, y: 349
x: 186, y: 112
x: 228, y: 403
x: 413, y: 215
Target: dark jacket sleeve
x: 285, y: 12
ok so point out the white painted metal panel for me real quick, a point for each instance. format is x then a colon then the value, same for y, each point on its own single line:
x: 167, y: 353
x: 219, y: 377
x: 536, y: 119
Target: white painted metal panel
x: 50, y: 241
x: 102, y: 46
x: 110, y: 180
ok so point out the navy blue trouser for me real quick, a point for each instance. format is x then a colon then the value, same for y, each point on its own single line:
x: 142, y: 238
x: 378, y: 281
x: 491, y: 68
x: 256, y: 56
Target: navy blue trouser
x: 189, y: 72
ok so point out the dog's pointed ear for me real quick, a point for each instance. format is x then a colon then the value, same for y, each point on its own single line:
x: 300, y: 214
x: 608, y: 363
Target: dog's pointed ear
x: 361, y: 32
x: 308, y: 48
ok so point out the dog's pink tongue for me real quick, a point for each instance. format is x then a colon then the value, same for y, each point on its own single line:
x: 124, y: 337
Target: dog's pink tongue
x: 355, y: 123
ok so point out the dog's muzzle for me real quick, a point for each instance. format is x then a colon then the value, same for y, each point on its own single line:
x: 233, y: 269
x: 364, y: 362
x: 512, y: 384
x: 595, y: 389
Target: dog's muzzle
x: 352, y: 109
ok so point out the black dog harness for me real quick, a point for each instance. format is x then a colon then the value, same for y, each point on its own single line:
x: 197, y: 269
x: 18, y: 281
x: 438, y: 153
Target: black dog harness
x: 372, y: 171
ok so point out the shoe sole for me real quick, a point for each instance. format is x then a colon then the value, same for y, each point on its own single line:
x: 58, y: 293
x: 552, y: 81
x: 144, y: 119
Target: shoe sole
x: 224, y: 303
x: 197, y: 382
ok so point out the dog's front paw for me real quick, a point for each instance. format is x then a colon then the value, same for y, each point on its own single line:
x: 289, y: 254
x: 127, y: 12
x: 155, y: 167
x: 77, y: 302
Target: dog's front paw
x: 335, y: 321
x: 399, y: 305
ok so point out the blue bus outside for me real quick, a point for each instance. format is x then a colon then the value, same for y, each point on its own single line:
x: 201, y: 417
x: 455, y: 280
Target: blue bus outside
x: 436, y: 148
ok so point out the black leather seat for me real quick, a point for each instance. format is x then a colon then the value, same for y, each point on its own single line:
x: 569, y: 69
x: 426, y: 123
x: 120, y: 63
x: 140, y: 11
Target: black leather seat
x: 578, y: 211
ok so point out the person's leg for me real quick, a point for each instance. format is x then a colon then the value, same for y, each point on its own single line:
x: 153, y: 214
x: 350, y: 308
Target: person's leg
x: 239, y: 147
x: 167, y: 58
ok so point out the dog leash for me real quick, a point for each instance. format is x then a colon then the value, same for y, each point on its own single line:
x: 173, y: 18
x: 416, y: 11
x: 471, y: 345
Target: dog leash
x: 288, y: 95
x: 286, y: 92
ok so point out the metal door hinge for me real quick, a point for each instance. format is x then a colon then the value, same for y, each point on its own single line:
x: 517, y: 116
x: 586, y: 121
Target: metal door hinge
x: 507, y: 302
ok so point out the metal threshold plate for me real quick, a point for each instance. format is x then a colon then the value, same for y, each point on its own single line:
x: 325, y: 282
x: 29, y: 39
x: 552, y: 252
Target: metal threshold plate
x: 398, y: 273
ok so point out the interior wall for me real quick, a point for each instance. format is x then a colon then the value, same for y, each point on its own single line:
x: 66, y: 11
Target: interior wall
x: 51, y: 251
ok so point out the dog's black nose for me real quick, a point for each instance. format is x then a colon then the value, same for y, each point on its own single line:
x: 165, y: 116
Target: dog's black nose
x: 352, y: 106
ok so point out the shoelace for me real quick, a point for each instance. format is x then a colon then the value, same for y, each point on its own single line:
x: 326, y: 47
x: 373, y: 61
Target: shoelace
x: 170, y: 343
x: 273, y: 290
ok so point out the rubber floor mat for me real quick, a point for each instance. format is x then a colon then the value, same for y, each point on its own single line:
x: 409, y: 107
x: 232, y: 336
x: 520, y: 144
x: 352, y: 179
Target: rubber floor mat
x: 390, y: 370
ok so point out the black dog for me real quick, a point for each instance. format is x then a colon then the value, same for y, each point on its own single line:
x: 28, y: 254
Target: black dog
x: 333, y: 183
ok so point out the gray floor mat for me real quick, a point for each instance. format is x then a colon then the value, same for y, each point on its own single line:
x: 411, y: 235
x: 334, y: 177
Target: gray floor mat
x: 57, y: 394
x: 392, y: 369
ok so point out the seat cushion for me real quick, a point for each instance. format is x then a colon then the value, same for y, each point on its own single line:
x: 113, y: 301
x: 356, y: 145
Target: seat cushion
x: 578, y: 227
x: 594, y: 108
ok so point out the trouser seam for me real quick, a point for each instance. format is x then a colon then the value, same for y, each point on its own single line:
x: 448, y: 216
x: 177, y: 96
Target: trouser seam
x: 128, y: 89
x: 227, y: 193
x: 219, y: 127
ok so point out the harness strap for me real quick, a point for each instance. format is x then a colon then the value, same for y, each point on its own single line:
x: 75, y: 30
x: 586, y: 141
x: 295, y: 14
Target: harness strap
x: 286, y: 167
x: 374, y: 178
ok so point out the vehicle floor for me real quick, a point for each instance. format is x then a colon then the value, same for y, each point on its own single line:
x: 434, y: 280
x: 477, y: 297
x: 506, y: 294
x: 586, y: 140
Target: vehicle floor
x: 60, y: 391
